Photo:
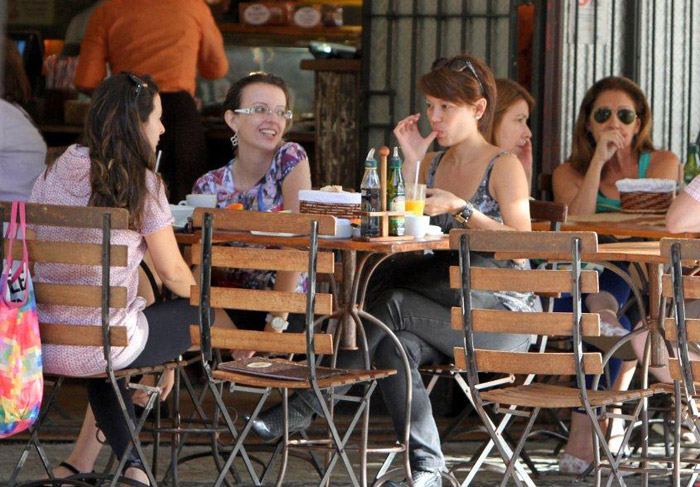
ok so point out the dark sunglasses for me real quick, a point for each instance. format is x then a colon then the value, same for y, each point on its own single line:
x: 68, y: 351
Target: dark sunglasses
x: 139, y: 84
x: 624, y: 115
x: 458, y: 65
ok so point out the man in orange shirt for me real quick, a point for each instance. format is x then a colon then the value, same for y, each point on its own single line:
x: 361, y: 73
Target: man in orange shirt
x: 168, y: 40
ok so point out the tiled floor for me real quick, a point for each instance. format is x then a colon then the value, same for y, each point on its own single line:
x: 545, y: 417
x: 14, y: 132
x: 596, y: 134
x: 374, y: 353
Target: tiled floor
x: 201, y: 472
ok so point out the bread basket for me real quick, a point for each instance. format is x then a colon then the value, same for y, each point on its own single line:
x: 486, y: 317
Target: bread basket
x: 646, y: 195
x: 340, y: 204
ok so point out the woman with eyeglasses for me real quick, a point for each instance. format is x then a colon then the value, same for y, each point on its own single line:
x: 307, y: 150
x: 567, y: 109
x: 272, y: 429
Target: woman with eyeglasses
x: 611, y: 141
x: 266, y: 174
x: 471, y: 184
x: 115, y: 168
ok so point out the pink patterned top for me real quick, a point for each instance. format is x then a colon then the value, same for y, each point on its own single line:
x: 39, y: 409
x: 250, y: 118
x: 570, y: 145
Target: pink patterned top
x: 67, y: 182
x: 266, y: 195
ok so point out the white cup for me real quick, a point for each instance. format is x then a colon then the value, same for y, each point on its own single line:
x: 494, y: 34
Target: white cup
x: 199, y: 200
x: 343, y: 229
x: 181, y: 213
x: 417, y: 225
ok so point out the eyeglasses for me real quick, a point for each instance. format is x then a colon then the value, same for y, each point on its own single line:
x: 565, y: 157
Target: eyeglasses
x: 262, y: 110
x: 138, y: 82
x: 458, y: 65
x: 624, y: 115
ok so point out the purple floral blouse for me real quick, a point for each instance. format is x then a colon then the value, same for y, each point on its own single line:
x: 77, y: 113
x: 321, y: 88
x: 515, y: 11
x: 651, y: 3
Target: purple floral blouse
x: 266, y: 195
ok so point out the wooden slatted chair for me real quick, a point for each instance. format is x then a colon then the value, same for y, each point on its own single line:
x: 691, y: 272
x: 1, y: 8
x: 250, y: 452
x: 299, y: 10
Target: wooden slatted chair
x: 686, y: 332
x: 319, y: 381
x: 528, y: 399
x: 104, y: 296
x: 555, y: 214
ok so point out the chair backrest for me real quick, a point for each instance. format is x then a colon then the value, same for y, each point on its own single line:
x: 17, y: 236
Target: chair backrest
x: 574, y: 281
x: 104, y: 255
x: 554, y: 213
x: 544, y: 186
x: 268, y: 259
x: 678, y: 287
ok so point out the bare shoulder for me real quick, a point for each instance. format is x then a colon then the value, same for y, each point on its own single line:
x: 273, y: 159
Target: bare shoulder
x: 507, y: 163
x: 663, y: 164
x: 663, y: 157
x: 565, y: 172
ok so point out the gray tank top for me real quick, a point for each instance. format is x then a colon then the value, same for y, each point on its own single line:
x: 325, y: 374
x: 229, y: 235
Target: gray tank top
x: 482, y: 199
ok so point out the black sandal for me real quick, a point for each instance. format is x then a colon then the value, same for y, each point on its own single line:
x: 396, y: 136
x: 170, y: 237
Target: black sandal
x: 77, y: 473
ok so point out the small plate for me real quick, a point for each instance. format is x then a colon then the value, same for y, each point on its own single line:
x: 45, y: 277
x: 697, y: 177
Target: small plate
x: 274, y: 234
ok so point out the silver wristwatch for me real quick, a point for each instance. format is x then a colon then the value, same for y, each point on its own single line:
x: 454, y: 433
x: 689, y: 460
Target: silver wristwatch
x: 277, y: 322
x: 462, y: 216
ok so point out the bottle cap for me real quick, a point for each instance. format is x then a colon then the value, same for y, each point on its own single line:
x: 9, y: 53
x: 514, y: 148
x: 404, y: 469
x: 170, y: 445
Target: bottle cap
x: 395, y: 161
x: 693, y: 148
x: 370, y: 164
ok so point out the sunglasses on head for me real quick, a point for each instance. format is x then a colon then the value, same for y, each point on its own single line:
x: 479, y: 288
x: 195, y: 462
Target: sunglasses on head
x: 458, y: 65
x: 138, y: 82
x: 624, y: 115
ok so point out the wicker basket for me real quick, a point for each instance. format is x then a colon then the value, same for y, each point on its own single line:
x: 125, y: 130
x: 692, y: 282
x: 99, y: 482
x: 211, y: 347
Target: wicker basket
x: 336, y: 209
x: 644, y: 202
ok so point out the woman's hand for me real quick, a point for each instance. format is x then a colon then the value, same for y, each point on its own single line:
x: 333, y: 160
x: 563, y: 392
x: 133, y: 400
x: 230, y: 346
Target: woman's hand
x: 608, y: 144
x: 525, y: 156
x: 438, y: 201
x: 413, y: 144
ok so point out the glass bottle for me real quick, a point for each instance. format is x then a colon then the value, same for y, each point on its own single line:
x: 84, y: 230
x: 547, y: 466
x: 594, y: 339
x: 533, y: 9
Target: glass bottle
x: 691, y: 169
x: 371, y: 198
x: 396, y: 195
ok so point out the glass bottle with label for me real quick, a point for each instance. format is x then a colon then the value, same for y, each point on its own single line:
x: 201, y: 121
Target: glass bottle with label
x: 371, y: 198
x: 691, y: 169
x: 396, y: 195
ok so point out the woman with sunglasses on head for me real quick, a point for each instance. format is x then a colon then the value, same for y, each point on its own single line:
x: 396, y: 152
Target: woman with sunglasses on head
x: 266, y: 175
x: 472, y: 184
x: 611, y: 141
x: 115, y: 168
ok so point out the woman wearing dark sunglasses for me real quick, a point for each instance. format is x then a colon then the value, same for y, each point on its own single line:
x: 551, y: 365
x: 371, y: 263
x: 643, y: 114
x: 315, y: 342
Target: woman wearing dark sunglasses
x: 611, y: 141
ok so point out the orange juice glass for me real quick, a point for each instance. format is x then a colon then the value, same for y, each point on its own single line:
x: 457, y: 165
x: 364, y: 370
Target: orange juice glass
x: 415, y: 198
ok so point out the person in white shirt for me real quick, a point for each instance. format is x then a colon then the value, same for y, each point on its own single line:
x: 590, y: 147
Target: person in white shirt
x: 22, y: 149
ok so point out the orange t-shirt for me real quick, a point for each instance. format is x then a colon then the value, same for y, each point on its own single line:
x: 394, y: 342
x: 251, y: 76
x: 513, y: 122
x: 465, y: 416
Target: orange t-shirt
x: 166, y: 39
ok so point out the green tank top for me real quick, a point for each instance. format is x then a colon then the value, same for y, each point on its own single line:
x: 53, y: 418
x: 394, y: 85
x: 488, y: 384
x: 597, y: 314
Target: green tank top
x: 604, y: 204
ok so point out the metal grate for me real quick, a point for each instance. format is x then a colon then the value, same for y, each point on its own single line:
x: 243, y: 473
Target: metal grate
x: 401, y: 39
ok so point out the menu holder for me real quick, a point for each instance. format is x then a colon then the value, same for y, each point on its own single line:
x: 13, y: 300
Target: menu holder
x: 384, y: 214
x: 277, y: 368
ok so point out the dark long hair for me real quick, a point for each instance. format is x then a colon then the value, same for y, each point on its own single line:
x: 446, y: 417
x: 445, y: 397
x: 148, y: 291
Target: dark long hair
x: 119, y: 151
x: 583, y: 145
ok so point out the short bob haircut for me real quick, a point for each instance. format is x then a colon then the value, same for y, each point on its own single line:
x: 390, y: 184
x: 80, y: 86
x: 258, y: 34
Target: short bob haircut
x: 583, y: 145
x: 462, y: 88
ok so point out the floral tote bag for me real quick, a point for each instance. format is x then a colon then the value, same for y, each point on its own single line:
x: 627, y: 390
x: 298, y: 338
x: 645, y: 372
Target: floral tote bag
x: 21, y: 379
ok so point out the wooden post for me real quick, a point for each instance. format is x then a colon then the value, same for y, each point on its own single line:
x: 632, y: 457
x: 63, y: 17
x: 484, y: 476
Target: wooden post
x: 384, y: 154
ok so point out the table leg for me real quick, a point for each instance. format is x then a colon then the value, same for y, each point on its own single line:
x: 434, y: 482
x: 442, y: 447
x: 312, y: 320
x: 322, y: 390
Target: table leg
x: 349, y: 336
x: 657, y: 344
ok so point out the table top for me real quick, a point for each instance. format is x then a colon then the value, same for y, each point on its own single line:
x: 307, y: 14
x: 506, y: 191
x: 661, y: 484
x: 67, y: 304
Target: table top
x: 382, y: 247
x: 641, y: 225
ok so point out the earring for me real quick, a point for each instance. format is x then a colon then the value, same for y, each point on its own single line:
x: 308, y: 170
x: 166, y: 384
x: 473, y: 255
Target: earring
x: 234, y: 139
x: 478, y: 117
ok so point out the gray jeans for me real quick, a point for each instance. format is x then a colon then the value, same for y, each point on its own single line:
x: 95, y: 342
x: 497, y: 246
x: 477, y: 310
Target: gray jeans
x: 416, y: 306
